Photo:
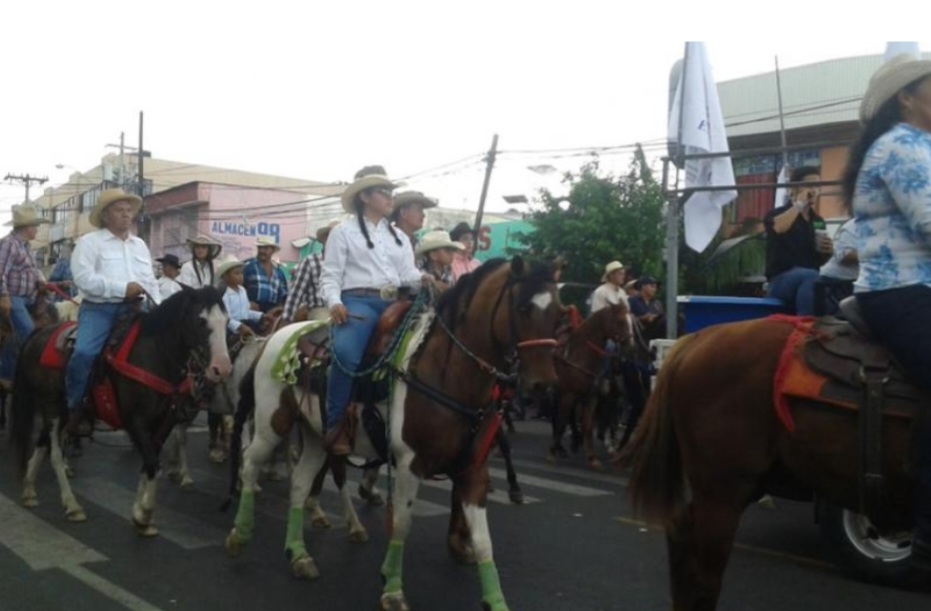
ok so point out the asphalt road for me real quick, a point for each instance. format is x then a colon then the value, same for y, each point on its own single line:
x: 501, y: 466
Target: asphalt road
x: 573, y: 546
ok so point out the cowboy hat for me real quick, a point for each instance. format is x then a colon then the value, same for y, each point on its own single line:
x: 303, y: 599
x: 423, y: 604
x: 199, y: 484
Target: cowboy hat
x: 369, y: 177
x: 433, y: 240
x: 26, y: 216
x: 324, y: 232
x: 171, y: 260
x: 610, y: 268
x: 229, y: 263
x: 889, y: 80
x: 460, y: 230
x: 266, y: 241
x: 213, y: 247
x: 413, y: 197
x: 109, y: 197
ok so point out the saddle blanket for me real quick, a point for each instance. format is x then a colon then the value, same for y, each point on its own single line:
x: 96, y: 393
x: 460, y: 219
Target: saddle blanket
x: 795, y: 378
x: 288, y: 360
x: 54, y: 354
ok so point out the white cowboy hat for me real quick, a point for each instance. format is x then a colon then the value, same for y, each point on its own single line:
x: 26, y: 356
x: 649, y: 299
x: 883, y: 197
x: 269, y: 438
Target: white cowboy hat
x: 413, y: 197
x: 610, y: 268
x: 324, y: 232
x: 213, y: 247
x: 368, y: 177
x: 433, y: 240
x: 889, y: 80
x: 26, y: 216
x: 229, y: 263
x: 109, y: 197
x: 266, y: 241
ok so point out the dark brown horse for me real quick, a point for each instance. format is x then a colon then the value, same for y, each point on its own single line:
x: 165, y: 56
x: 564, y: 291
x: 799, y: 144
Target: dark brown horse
x: 580, y: 365
x: 710, y: 444
x: 189, y: 322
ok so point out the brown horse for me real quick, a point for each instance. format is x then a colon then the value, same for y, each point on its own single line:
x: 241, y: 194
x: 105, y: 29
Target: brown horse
x: 580, y: 365
x: 711, y: 443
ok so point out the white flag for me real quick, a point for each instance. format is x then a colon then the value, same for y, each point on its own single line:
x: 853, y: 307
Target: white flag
x: 898, y: 48
x: 781, y: 192
x: 701, y: 131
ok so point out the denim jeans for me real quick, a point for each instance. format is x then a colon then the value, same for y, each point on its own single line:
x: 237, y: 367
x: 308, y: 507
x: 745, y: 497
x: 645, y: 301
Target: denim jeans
x: 797, y: 288
x: 95, y: 322
x: 349, y: 342
x: 21, y: 322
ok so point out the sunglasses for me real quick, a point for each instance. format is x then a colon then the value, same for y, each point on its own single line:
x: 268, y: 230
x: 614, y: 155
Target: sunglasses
x: 386, y: 192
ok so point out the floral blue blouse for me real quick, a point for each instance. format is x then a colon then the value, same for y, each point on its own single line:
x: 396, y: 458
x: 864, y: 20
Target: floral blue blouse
x: 892, y: 205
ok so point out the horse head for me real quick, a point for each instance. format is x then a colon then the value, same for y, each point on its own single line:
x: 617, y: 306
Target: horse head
x: 619, y: 325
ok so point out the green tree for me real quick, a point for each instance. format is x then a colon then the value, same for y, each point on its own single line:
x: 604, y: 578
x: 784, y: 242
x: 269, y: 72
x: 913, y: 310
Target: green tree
x: 603, y: 218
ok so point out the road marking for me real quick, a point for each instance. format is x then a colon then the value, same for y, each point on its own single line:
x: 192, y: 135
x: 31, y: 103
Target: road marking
x: 763, y: 551
x: 44, y: 547
x: 422, y: 508
x: 498, y: 496
x: 177, y: 527
x: 539, y: 482
x: 570, y: 472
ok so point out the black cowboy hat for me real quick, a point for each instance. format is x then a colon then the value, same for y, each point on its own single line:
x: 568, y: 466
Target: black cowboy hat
x: 459, y: 230
x: 171, y: 260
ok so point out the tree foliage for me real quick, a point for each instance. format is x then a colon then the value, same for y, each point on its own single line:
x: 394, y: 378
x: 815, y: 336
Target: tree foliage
x: 603, y: 218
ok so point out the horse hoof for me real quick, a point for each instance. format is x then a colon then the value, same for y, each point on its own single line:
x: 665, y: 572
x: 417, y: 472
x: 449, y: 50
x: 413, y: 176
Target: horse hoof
x: 174, y: 476
x: 304, y: 568
x: 76, y: 515
x: 551, y: 458
x: 464, y: 556
x: 321, y: 523
x: 498, y: 606
x: 516, y: 497
x: 30, y: 501
x: 187, y: 481
x: 146, y: 530
x: 69, y: 471
x: 359, y: 536
x: 234, y: 544
x: 595, y: 465
x: 216, y: 456
x: 766, y: 502
x: 394, y: 601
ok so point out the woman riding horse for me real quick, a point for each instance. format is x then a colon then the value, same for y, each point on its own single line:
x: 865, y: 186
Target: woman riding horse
x: 888, y: 182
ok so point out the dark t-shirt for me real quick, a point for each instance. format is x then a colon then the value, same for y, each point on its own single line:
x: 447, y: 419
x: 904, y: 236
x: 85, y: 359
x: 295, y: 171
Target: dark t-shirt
x: 794, y: 248
x: 639, y: 306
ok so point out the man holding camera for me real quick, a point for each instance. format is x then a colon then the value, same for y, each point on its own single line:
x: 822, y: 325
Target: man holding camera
x: 797, y: 244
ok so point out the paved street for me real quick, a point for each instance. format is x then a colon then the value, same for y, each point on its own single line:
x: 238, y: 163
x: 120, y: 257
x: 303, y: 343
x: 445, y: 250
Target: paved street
x: 573, y: 546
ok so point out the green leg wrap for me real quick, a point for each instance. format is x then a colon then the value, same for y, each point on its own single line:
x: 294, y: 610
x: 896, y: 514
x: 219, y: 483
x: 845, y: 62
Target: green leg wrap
x: 294, y: 540
x: 491, y: 586
x: 245, y: 516
x: 391, y: 567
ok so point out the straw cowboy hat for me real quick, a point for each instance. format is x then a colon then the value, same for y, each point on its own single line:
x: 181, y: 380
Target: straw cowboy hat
x: 26, y: 216
x: 266, y: 241
x: 413, y: 197
x: 229, y: 263
x: 324, y: 232
x: 369, y: 177
x: 610, y: 268
x: 110, y: 197
x: 889, y: 80
x: 433, y: 240
x: 213, y: 247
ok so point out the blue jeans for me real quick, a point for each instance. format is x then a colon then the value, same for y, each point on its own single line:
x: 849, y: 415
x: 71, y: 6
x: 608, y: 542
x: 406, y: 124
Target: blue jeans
x: 21, y: 322
x: 349, y: 342
x: 797, y: 288
x: 95, y: 322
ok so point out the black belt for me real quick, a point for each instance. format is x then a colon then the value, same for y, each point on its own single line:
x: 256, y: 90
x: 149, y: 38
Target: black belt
x: 386, y: 294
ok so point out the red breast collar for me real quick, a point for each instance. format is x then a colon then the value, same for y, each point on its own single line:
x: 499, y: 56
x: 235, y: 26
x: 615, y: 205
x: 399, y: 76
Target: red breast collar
x: 120, y: 363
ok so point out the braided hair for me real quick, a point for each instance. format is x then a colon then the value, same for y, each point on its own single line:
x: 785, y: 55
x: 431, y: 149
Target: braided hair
x: 365, y: 232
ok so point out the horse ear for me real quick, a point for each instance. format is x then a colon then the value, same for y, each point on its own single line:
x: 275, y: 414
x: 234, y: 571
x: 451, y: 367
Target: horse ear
x: 517, y: 265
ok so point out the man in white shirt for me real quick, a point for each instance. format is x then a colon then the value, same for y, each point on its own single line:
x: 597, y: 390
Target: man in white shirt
x: 112, y: 269
x: 612, y: 291
x: 168, y: 284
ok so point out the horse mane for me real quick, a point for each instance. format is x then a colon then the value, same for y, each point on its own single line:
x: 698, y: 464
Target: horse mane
x: 167, y: 315
x: 457, y: 299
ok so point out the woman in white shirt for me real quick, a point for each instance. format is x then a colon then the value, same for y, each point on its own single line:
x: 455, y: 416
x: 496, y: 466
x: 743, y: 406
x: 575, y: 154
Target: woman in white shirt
x: 199, y: 271
x: 366, y: 262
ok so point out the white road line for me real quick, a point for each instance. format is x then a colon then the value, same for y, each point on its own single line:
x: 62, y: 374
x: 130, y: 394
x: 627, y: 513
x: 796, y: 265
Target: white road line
x: 173, y: 526
x: 422, y: 508
x: 547, y: 484
x: 43, y: 547
x: 569, y: 472
x: 498, y: 496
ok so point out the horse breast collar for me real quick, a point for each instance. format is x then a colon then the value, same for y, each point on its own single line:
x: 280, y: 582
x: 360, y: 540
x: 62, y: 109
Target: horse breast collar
x: 119, y: 362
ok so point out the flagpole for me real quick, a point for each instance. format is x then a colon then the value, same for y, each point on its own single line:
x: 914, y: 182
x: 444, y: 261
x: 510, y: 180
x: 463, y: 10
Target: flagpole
x: 672, y: 217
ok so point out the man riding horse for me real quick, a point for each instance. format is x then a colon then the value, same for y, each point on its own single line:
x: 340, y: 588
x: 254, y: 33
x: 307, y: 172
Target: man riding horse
x: 112, y: 268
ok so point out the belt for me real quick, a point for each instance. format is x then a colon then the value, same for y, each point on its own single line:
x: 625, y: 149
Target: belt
x: 386, y: 293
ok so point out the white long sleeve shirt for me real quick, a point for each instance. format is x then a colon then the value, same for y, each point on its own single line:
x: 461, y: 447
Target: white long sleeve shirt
x: 351, y: 264
x: 237, y: 306
x: 168, y: 287
x: 608, y: 295
x: 102, y: 264
x: 188, y: 275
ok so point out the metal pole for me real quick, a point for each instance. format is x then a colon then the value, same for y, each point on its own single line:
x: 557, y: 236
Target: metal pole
x: 122, y: 161
x: 672, y: 216
x: 489, y: 164
x: 143, y: 219
x: 782, y: 121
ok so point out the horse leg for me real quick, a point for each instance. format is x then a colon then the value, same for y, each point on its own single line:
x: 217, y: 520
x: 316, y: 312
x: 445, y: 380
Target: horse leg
x: 560, y: 414
x: 177, y: 457
x: 474, y: 490
x: 309, y: 462
x: 367, y: 490
x: 514, y: 492
x: 215, y: 451
x: 406, y: 484
x: 318, y: 517
x: 588, y: 425
x: 459, y: 538
x: 357, y: 532
x: 73, y: 510
x: 3, y: 397
x: 29, y: 497
x: 144, y: 505
x: 259, y: 451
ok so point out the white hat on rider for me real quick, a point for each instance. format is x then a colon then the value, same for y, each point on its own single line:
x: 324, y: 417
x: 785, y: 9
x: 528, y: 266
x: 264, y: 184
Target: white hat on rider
x: 229, y: 263
x: 610, y: 268
x: 433, y: 240
x: 889, y: 80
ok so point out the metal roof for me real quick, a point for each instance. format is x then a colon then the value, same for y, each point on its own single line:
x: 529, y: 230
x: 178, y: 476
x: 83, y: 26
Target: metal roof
x: 814, y: 94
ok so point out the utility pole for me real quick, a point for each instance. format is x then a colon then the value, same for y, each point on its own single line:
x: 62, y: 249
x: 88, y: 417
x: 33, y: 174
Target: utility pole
x: 27, y: 180
x: 143, y: 218
x: 489, y: 164
x: 122, y: 160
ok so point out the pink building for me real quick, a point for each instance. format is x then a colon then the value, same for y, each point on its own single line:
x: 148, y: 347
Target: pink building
x: 235, y: 216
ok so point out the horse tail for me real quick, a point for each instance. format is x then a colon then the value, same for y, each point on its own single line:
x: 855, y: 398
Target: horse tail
x: 22, y: 416
x: 657, y: 483
x: 244, y: 409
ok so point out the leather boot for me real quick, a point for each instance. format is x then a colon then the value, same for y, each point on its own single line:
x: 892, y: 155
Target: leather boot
x: 79, y: 424
x: 339, y: 440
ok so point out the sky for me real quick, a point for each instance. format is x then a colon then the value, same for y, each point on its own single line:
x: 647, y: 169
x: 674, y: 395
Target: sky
x: 317, y: 90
